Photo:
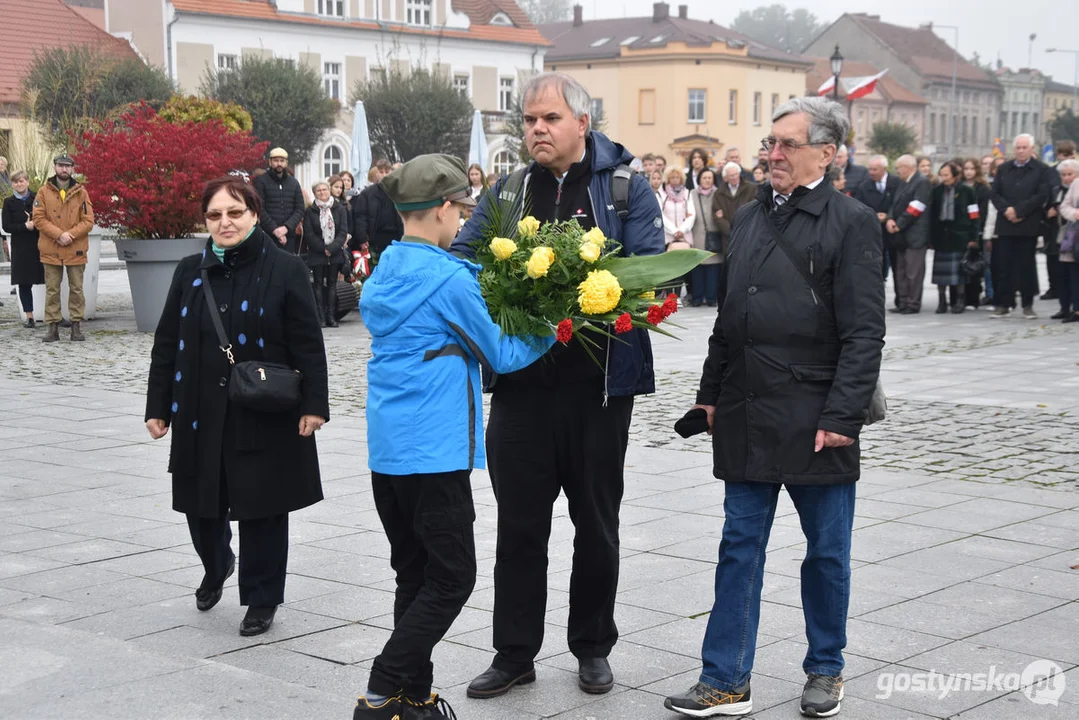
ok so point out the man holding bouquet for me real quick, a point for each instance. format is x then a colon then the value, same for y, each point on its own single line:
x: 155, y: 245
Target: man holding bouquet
x: 563, y: 423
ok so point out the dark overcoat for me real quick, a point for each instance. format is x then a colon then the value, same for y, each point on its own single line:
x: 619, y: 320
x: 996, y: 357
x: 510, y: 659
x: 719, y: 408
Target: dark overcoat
x: 266, y: 305
x: 282, y: 204
x: 784, y: 361
x: 317, y: 245
x: 953, y: 236
x: 1028, y: 189
x: 26, y: 267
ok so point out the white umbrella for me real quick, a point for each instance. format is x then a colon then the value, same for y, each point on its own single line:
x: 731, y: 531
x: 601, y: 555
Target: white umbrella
x: 360, y: 159
x: 477, y: 147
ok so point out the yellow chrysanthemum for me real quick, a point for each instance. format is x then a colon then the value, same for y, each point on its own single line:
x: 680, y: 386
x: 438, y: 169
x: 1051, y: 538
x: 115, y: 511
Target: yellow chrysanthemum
x: 590, y: 252
x: 596, y: 237
x: 528, y: 227
x: 503, y: 248
x: 541, y: 261
x: 650, y: 295
x: 599, y: 293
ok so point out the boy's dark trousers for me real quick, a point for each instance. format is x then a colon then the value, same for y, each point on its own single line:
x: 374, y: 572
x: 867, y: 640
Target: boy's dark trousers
x: 428, y: 520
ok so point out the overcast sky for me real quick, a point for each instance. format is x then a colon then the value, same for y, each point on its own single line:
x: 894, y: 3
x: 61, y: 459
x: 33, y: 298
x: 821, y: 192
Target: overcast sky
x: 991, y: 27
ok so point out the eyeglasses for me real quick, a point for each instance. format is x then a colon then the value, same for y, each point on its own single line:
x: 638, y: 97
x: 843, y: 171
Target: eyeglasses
x: 769, y: 143
x: 215, y: 215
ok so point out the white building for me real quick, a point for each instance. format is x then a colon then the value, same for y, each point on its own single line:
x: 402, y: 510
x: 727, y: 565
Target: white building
x: 488, y: 47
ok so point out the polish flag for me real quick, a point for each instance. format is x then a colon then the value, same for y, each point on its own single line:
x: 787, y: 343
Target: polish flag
x: 864, y: 85
x: 972, y: 212
x: 826, y: 87
x: 916, y: 207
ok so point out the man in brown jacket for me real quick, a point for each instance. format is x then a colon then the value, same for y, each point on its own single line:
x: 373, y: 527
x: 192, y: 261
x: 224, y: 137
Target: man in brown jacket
x: 64, y: 217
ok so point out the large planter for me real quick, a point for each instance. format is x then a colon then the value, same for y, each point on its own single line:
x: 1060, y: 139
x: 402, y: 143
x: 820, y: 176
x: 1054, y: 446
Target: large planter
x: 89, y: 283
x: 150, y: 267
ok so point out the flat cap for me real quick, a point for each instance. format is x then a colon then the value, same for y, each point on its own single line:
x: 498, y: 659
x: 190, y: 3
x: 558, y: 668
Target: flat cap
x: 427, y: 181
x: 64, y: 159
x: 278, y: 152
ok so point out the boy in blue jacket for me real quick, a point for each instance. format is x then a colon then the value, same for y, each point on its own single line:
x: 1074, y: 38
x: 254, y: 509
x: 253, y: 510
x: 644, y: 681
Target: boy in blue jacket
x: 430, y: 331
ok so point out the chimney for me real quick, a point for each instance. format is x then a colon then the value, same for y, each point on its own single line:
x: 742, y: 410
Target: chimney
x: 660, y: 11
x: 683, y: 11
x: 578, y: 16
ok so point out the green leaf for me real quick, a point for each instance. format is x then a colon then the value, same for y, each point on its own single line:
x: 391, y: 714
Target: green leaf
x: 649, y: 271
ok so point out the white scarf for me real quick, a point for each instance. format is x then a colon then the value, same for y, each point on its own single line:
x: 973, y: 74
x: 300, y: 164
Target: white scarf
x: 325, y: 221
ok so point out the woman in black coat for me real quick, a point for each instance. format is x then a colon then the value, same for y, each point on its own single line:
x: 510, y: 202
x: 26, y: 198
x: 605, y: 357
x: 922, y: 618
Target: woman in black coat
x: 325, y: 230
x: 953, y: 227
x: 26, y: 268
x: 228, y: 462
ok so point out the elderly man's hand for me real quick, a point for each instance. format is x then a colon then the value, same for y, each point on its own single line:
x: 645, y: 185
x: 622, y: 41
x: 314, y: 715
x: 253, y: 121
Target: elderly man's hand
x: 710, y: 413
x: 1010, y: 214
x: 892, y: 226
x: 831, y: 440
x: 882, y: 216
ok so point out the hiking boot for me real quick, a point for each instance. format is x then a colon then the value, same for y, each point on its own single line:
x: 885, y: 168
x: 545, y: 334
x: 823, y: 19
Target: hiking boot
x: 1000, y: 312
x: 706, y: 701
x: 821, y: 695
x: 76, y: 331
x: 52, y: 334
x: 1029, y: 314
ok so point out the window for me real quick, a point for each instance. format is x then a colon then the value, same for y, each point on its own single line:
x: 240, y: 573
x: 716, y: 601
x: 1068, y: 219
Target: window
x: 630, y: 40
x: 291, y: 62
x: 378, y: 75
x: 227, y: 62
x: 1024, y: 127
x: 1015, y: 123
x: 500, y: 19
x: 974, y: 131
x: 732, y: 112
x: 932, y: 127
x: 601, y: 41
x: 697, y: 100
x: 331, y: 8
x: 331, y: 80
x: 963, y: 133
x: 503, y: 162
x: 658, y: 39
x: 418, y: 12
x: 1034, y: 122
x: 775, y: 103
x: 595, y: 112
x: 460, y: 84
x: 505, y: 94
x: 331, y: 160
x: 646, y: 107
x: 988, y: 130
x: 756, y: 108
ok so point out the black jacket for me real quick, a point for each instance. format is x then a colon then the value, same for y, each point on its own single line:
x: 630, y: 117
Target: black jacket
x: 877, y: 201
x: 1027, y: 189
x: 953, y: 236
x: 375, y: 220
x: 26, y: 267
x: 855, y: 174
x: 910, y: 210
x: 783, y: 361
x: 268, y: 311
x: 312, y: 236
x: 282, y: 204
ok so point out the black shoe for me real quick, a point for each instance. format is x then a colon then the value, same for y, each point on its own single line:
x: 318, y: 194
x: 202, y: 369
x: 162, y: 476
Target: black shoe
x: 910, y: 311
x: 897, y: 310
x: 392, y: 708
x: 704, y: 701
x: 257, y: 620
x: 433, y: 708
x: 29, y: 324
x: 942, y: 308
x: 696, y: 303
x: 1059, y: 315
x: 594, y: 675
x: 494, y: 682
x: 1071, y: 318
x: 206, y: 598
x: 1050, y: 295
x: 958, y: 309
x: 711, y: 303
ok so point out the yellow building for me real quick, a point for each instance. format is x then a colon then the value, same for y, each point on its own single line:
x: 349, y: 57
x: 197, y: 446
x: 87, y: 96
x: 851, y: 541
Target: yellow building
x: 665, y: 84
x: 1058, y: 97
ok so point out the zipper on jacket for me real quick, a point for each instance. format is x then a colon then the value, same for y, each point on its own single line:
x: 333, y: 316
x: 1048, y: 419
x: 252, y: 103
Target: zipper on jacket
x: 809, y: 252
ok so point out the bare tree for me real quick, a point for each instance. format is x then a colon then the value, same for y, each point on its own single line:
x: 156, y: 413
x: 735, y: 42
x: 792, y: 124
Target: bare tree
x: 546, y: 11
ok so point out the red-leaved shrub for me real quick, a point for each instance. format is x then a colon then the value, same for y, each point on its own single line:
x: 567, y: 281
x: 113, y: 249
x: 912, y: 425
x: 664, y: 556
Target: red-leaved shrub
x: 145, y: 175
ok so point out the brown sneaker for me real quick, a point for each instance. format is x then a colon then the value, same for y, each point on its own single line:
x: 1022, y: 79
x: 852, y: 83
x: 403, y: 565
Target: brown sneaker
x: 52, y: 334
x: 76, y: 330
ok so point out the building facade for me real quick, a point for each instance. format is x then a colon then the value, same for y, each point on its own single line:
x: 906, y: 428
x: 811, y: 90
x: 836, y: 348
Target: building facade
x: 1022, y: 103
x: 665, y: 84
x: 921, y: 61
x: 1056, y: 98
x: 486, y: 47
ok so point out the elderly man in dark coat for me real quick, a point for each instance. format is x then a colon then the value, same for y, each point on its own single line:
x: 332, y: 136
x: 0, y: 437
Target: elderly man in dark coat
x: 792, y: 366
x: 908, y: 229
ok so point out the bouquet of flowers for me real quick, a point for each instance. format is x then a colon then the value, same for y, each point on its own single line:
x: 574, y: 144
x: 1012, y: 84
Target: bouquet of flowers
x: 539, y: 278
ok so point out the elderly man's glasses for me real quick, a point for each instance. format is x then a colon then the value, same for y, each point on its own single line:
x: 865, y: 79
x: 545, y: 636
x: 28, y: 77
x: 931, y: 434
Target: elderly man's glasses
x: 215, y: 215
x: 769, y: 144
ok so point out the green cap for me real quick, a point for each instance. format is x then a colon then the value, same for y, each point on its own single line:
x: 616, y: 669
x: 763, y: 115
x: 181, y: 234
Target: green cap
x: 427, y: 181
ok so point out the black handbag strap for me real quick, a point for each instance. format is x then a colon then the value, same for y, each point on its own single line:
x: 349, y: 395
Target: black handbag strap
x: 219, y: 328
x: 788, y: 249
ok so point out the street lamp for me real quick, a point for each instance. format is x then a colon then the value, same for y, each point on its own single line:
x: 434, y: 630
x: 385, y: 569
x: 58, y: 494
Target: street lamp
x: 1075, y: 81
x: 955, y: 73
x: 837, y: 67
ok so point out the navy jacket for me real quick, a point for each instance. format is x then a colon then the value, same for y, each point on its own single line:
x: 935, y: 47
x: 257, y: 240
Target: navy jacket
x: 629, y: 367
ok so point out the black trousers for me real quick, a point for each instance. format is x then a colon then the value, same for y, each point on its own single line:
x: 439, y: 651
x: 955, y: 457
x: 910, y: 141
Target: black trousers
x: 263, y: 553
x: 428, y: 520
x: 1014, y: 258
x: 538, y: 443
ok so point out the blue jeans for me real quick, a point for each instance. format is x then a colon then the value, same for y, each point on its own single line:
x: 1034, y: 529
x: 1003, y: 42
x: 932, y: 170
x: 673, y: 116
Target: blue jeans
x: 826, y: 513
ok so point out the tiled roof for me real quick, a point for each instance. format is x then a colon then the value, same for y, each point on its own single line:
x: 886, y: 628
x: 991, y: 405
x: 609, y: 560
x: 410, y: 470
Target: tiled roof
x: 1055, y: 87
x: 927, y: 52
x: 888, y: 85
x: 582, y: 42
x: 40, y: 26
x: 522, y: 32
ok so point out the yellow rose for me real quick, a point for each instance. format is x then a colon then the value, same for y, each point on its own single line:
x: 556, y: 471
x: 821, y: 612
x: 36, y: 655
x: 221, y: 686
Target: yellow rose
x: 528, y: 227
x: 503, y: 248
x: 541, y: 261
x: 595, y: 236
x: 590, y: 252
x: 599, y: 293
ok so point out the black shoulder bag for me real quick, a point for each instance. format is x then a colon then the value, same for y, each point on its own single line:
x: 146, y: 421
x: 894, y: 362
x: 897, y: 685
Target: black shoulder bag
x: 878, y: 405
x: 255, y: 384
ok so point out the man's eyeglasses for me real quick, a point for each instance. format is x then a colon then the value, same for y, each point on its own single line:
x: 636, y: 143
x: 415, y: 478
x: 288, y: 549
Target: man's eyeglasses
x: 769, y: 144
x: 215, y: 215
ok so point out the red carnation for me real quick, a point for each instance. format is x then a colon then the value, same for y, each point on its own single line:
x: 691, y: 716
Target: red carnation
x: 623, y: 324
x: 564, y: 333
x: 655, y: 314
x: 670, y: 306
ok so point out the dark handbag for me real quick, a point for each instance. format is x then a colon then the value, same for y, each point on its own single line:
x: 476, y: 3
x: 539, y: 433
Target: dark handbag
x: 1068, y: 236
x: 255, y: 384
x: 973, y: 264
x: 878, y: 404
x: 713, y: 241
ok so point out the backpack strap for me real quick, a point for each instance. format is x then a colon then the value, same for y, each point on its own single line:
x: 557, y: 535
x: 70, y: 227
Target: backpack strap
x: 620, y: 182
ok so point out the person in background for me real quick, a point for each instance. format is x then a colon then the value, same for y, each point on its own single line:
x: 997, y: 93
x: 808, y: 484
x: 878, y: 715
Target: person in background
x: 925, y: 167
x: 655, y: 180
x: 877, y: 192
x: 698, y: 163
x: 5, y: 180
x: 661, y: 165
x: 760, y: 174
x: 350, y: 184
x: 340, y: 187
x: 1065, y: 150
x: 325, y: 233
x: 838, y: 178
x: 855, y: 174
x: 375, y: 221
x: 729, y: 198
x: 953, y: 214
x: 477, y: 182
x: 987, y: 167
x: 283, y: 202
x: 228, y: 462
x: 975, y: 180
x: 704, y: 279
x: 648, y: 164
x: 678, y: 218
x: 734, y: 155
x: 762, y: 159
x: 908, y: 228
x: 1068, y: 211
x: 1056, y: 224
x: 17, y: 221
